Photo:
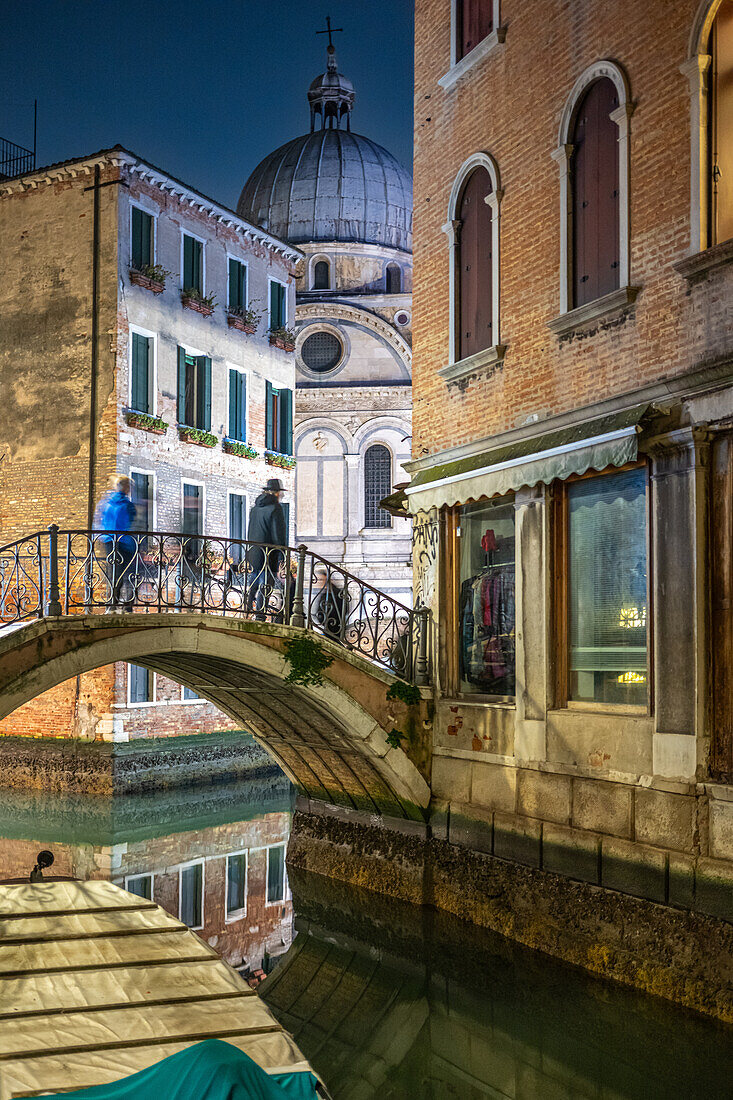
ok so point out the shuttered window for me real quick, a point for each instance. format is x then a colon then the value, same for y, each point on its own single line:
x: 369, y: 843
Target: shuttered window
x: 142, y: 498
x: 278, y: 419
x: 237, y: 406
x: 321, y: 275
x: 377, y: 485
x: 475, y: 19
x: 142, y: 239
x: 141, y: 389
x: 278, y: 305
x: 193, y: 264
x: 594, y: 174
x: 194, y: 390
x: 474, y: 266
x: 237, y: 285
x: 720, y: 123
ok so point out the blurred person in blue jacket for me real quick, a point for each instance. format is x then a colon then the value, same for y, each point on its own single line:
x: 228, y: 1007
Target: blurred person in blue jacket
x: 117, y: 515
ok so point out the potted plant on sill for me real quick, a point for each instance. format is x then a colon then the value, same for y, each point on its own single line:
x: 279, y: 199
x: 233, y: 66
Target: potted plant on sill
x: 283, y: 338
x: 246, y: 320
x: 148, y: 423
x: 201, y: 303
x: 285, y: 462
x: 236, y: 447
x: 151, y: 276
x: 197, y: 436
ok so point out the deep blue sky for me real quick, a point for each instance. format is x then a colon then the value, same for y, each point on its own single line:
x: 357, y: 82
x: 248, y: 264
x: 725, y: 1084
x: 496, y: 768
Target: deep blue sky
x: 202, y: 88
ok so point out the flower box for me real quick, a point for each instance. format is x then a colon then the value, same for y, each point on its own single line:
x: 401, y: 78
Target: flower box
x: 280, y: 342
x: 197, y: 436
x: 146, y: 422
x: 285, y: 462
x: 198, y: 305
x: 235, y: 321
x: 138, y: 278
x: 242, y: 450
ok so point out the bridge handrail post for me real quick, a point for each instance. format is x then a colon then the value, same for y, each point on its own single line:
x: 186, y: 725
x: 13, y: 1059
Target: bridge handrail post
x: 297, y: 615
x: 422, y: 671
x: 53, y: 606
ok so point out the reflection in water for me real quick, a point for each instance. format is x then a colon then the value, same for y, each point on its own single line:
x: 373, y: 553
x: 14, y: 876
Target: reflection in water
x: 387, y: 1002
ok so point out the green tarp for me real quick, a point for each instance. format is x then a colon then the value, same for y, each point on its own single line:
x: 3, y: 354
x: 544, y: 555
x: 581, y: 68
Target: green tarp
x: 212, y: 1070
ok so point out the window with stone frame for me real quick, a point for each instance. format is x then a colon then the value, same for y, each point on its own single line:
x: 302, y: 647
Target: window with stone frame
x: 278, y: 419
x: 142, y: 238
x: 377, y: 485
x: 321, y: 275
x: 475, y: 21
x: 474, y: 266
x: 194, y: 390
x: 720, y: 126
x: 193, y: 264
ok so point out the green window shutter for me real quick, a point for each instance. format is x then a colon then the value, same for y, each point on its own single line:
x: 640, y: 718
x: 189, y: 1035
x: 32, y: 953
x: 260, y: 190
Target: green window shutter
x: 233, y: 302
x: 192, y: 264
x: 243, y: 286
x: 277, y: 305
x: 140, y: 373
x: 142, y: 239
x: 181, y: 386
x: 237, y: 285
x: 242, y: 407
x: 269, y: 419
x: 205, y: 390
x: 286, y: 421
x: 233, y: 404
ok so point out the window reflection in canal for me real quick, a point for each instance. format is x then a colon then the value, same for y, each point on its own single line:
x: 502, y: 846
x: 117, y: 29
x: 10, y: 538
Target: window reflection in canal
x: 387, y: 1001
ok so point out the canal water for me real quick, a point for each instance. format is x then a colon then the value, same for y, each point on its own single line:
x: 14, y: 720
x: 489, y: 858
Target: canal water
x: 386, y: 1000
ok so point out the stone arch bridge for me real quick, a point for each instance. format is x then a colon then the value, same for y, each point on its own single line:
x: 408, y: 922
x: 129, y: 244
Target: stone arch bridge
x: 216, y: 614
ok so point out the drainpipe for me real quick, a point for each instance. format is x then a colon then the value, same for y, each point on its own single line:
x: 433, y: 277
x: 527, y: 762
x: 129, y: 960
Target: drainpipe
x: 95, y: 351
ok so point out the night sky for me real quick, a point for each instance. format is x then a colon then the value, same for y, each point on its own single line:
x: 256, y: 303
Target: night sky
x: 201, y: 89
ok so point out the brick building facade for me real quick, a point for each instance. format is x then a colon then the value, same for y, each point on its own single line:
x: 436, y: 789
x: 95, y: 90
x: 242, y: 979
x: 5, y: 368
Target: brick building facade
x: 572, y: 414
x: 108, y: 346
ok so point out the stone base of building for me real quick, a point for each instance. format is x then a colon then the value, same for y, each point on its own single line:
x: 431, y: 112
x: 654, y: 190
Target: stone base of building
x: 70, y: 766
x: 671, y: 950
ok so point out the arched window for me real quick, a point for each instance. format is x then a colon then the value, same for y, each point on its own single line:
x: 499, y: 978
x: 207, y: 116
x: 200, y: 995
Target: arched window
x: 720, y: 126
x: 321, y: 275
x: 474, y: 266
x: 377, y: 485
x: 595, y: 194
x: 393, y: 279
x: 593, y: 158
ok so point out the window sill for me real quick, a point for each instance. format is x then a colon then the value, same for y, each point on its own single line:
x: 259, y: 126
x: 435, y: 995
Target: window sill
x: 697, y: 267
x: 478, y: 53
x: 481, y: 360
x: 606, y: 308
x: 611, y: 710
x: 501, y: 702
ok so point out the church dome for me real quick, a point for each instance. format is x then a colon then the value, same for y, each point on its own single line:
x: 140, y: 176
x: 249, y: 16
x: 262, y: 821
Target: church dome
x: 331, y: 185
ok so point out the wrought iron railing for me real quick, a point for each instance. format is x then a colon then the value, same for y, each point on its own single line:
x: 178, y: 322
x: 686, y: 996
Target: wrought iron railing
x: 15, y: 159
x: 54, y: 572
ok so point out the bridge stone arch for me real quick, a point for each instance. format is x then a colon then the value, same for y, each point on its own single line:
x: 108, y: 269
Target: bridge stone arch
x: 329, y: 738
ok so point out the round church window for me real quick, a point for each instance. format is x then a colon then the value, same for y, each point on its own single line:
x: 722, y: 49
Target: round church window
x: 321, y: 351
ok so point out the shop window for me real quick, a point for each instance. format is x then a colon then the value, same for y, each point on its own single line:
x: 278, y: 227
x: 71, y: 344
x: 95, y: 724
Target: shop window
x: 720, y: 126
x: 193, y: 264
x: 142, y: 237
x: 607, y: 606
x: 377, y: 485
x: 276, y: 873
x: 486, y: 600
x: 321, y: 275
x: 194, y: 390
x: 236, y: 884
x: 191, y: 895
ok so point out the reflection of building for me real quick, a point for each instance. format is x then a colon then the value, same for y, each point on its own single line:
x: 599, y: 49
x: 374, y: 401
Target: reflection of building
x: 214, y: 857
x: 347, y: 204
x: 573, y: 456
x: 127, y: 288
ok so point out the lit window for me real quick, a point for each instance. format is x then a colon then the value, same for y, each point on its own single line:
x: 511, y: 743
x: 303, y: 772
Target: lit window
x: 607, y: 589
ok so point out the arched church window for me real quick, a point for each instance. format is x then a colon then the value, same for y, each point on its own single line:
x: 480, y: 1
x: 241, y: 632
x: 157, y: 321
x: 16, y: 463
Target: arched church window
x: 475, y: 266
x: 594, y: 182
x: 321, y: 275
x: 321, y: 351
x: 720, y: 126
x: 393, y: 279
x: 377, y: 485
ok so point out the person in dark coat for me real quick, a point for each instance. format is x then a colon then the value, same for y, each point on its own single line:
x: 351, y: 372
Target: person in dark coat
x: 117, y: 517
x: 266, y: 525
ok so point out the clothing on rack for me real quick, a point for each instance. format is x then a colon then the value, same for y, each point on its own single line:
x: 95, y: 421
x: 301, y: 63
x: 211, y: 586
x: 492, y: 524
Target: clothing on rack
x: 487, y: 621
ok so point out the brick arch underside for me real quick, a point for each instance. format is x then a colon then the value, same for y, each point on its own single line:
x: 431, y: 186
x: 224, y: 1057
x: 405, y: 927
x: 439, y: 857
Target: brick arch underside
x: 329, y: 746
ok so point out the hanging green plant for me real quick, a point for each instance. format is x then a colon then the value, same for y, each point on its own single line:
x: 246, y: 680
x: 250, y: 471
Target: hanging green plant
x: 307, y: 660
x: 394, y: 738
x: 405, y: 693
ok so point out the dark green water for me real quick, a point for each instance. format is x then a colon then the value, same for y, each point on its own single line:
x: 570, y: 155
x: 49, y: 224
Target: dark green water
x: 389, y: 1002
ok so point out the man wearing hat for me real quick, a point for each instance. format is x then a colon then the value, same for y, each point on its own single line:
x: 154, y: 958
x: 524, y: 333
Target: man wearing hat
x: 266, y: 525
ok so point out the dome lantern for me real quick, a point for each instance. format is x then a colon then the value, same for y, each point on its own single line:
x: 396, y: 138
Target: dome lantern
x: 331, y: 95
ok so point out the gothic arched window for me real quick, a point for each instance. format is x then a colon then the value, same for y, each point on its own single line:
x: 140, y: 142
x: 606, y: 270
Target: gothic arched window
x: 474, y: 266
x: 321, y: 275
x: 594, y: 184
x: 377, y: 485
x: 393, y: 279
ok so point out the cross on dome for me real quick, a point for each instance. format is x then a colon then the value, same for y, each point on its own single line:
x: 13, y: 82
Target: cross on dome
x: 331, y: 95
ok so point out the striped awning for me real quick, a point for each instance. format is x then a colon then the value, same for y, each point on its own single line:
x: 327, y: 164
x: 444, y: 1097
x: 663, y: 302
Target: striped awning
x: 590, y: 445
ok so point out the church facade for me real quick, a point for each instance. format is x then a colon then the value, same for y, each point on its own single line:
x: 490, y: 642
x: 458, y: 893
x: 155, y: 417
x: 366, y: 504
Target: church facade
x: 346, y: 203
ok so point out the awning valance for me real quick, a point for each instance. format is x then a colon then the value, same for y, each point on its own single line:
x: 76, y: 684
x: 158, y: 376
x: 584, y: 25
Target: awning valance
x: 591, y: 445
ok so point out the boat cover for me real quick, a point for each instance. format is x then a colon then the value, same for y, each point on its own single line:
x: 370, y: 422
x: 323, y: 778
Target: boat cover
x: 212, y: 1070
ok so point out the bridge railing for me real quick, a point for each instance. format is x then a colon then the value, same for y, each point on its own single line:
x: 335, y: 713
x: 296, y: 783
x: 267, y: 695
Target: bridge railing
x: 56, y: 572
